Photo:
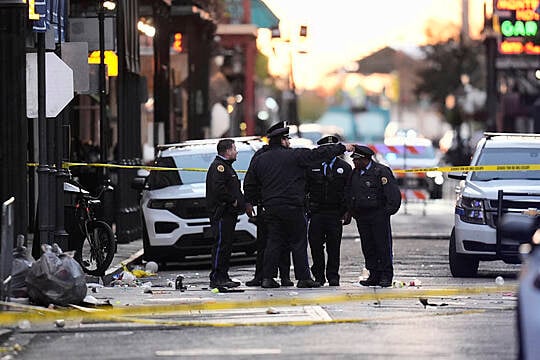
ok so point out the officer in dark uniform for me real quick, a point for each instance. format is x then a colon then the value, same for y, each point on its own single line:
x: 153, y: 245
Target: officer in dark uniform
x: 279, y: 173
x: 262, y: 235
x: 373, y: 196
x: 225, y: 202
x: 325, y: 192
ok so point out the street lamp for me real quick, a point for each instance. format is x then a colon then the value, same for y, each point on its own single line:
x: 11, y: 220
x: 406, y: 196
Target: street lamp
x: 292, y: 97
x: 103, y: 123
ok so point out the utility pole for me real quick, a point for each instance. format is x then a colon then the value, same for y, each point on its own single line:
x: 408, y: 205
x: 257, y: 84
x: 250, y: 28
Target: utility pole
x: 13, y: 122
x: 490, y: 43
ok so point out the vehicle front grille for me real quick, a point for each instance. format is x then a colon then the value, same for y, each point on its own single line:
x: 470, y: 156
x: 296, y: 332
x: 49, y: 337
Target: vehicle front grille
x: 190, y: 208
x: 515, y: 205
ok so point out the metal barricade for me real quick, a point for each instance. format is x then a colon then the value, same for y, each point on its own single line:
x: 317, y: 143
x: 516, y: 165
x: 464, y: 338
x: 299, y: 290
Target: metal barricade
x: 6, y: 248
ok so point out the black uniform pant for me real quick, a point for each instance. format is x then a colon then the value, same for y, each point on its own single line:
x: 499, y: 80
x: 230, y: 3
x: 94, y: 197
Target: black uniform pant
x: 286, y: 228
x: 325, y: 228
x: 223, y: 231
x: 284, y: 264
x: 376, y: 238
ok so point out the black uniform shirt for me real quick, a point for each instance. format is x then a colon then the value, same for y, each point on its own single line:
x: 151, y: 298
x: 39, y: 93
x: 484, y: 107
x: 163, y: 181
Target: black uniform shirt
x: 375, y: 189
x: 279, y: 173
x: 223, y: 188
x: 325, y: 186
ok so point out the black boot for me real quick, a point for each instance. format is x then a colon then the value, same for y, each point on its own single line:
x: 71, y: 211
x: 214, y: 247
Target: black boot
x: 269, y: 283
x: 254, y: 282
x: 372, y: 280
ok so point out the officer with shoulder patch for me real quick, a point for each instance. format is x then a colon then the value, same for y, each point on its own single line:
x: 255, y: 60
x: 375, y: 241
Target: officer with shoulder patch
x: 373, y: 196
x: 224, y: 201
x: 279, y: 175
x: 325, y: 193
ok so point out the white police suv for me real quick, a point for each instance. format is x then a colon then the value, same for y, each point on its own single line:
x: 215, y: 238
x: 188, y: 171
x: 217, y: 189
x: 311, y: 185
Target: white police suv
x: 483, y: 196
x: 173, y: 204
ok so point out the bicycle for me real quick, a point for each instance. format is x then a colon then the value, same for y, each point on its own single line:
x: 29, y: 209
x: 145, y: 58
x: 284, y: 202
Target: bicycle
x: 98, y: 245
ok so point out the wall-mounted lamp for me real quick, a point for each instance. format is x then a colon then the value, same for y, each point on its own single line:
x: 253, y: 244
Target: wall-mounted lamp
x: 146, y: 28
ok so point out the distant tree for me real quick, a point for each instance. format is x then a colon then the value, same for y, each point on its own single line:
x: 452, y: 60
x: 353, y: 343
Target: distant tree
x: 447, y: 59
x: 445, y: 63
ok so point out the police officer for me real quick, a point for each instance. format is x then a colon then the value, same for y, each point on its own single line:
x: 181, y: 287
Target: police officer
x: 279, y: 173
x: 225, y: 202
x: 374, y: 196
x: 325, y: 193
x: 262, y: 235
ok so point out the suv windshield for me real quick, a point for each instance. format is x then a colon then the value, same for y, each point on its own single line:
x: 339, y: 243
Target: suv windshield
x: 190, y: 160
x: 507, y: 156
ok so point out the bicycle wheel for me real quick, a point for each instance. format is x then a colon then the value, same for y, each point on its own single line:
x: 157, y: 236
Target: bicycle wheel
x: 98, y: 248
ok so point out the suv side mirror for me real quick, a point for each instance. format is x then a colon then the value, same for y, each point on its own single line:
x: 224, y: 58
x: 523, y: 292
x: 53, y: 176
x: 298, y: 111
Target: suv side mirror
x: 138, y: 183
x: 457, y: 176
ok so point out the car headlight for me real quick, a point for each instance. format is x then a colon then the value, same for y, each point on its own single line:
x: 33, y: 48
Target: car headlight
x: 162, y: 204
x: 471, y: 210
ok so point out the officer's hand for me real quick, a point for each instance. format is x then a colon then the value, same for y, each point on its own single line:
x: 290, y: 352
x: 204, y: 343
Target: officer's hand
x: 249, y: 210
x: 347, y: 218
x: 349, y: 147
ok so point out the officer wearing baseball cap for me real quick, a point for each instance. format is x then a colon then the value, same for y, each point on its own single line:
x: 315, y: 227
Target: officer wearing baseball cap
x: 279, y: 175
x: 373, y: 197
x: 325, y: 192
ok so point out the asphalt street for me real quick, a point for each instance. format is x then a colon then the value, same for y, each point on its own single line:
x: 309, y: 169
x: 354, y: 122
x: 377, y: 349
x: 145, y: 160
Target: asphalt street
x: 439, y: 317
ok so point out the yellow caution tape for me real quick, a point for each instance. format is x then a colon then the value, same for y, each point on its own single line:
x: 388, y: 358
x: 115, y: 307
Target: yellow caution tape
x: 376, y: 295
x: 446, y: 169
x: 518, y: 167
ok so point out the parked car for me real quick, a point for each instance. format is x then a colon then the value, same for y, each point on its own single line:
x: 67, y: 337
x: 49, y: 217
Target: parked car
x: 483, y: 196
x: 409, y: 153
x: 173, y: 203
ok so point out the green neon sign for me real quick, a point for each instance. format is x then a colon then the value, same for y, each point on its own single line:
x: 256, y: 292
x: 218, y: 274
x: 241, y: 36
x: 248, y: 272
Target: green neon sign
x: 519, y: 28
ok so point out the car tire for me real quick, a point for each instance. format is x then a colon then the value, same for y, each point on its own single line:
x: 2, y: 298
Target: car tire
x: 461, y: 265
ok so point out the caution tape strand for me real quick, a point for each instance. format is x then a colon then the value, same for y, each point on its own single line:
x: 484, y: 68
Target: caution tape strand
x: 444, y: 169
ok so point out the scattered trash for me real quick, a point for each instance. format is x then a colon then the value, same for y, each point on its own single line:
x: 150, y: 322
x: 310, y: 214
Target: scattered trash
x: 398, y: 284
x: 60, y: 323
x: 94, y: 287
x: 147, y: 287
x: 214, y: 290
x: 56, y: 278
x: 22, y: 262
x: 272, y: 311
x: 425, y: 302
x: 142, y: 273
x: 415, y: 282
x: 24, y: 324
x: 499, y: 280
x: 179, y: 285
x: 151, y: 267
x: 293, y: 293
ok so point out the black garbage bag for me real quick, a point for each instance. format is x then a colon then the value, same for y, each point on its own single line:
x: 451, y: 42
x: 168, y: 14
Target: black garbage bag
x: 56, y: 278
x: 22, y: 261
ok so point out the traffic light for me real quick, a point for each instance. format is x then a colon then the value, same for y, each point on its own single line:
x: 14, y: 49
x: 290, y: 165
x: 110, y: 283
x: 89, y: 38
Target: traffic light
x: 177, y: 45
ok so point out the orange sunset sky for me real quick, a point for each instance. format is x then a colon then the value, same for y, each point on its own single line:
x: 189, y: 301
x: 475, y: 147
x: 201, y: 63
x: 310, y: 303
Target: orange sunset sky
x: 341, y: 31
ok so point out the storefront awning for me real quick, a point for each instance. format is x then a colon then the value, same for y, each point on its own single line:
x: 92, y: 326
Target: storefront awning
x: 262, y: 16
